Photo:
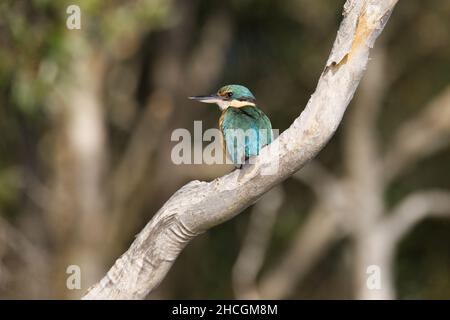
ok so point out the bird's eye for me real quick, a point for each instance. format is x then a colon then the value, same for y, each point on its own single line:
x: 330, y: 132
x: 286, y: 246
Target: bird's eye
x: 229, y: 94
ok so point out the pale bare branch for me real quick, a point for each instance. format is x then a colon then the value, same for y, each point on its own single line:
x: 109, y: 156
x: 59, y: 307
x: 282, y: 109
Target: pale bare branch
x: 411, y: 210
x: 377, y: 247
x: 199, y: 206
x: 256, y: 242
x: 421, y: 136
x: 321, y: 229
x: 317, y: 177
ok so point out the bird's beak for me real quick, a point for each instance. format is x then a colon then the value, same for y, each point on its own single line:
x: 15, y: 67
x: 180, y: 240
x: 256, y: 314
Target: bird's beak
x: 207, y: 99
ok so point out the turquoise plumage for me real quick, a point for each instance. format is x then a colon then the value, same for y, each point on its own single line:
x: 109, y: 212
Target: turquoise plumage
x: 245, y: 127
x: 254, y: 131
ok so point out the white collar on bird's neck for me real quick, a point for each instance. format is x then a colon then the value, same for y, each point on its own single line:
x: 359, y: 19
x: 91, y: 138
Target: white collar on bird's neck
x: 224, y: 104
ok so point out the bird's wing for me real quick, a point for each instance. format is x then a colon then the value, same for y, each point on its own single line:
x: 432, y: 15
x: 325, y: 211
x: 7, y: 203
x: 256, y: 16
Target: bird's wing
x: 261, y: 122
x: 248, y: 139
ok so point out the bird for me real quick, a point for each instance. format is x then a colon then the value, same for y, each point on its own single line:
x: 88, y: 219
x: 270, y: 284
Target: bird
x: 245, y: 128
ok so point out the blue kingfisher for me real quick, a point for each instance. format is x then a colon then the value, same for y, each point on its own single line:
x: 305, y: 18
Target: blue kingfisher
x: 245, y: 128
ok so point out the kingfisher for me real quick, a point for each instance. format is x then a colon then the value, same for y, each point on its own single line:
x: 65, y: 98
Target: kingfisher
x: 245, y: 128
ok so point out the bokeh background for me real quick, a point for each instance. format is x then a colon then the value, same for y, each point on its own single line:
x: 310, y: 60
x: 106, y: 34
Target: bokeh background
x: 86, y: 118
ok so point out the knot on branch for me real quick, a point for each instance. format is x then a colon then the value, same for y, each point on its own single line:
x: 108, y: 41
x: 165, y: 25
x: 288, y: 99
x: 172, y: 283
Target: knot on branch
x: 179, y: 233
x: 169, y: 237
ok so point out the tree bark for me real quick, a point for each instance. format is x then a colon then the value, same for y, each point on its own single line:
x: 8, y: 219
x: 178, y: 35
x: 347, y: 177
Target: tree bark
x: 198, y: 206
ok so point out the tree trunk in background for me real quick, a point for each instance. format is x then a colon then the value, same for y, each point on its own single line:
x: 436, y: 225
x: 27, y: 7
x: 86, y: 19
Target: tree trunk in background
x: 198, y: 206
x: 78, y: 212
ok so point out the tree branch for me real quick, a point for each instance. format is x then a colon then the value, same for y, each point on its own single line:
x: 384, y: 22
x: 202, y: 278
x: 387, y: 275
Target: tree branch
x: 198, y: 206
x: 251, y: 257
x: 378, y: 247
x: 321, y: 229
x: 327, y: 222
x: 423, y: 135
x: 412, y: 210
x: 318, y: 178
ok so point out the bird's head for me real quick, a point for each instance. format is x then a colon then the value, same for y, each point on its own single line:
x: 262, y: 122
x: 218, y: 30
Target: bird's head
x: 232, y: 95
